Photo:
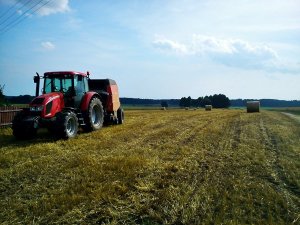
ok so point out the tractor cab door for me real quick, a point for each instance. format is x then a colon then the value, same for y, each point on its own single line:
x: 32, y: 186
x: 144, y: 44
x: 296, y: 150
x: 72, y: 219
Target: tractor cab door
x: 68, y: 92
x: 80, y: 84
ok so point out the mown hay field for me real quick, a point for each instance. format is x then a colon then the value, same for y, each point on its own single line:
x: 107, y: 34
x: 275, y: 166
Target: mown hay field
x: 159, y: 167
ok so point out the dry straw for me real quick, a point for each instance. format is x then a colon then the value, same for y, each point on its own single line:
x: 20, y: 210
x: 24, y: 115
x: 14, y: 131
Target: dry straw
x: 253, y: 106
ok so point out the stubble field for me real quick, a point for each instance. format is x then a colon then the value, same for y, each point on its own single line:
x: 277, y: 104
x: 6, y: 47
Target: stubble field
x: 159, y: 167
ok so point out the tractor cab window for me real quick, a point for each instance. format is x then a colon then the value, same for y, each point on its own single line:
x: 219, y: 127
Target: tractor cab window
x: 79, y: 84
x: 61, y: 83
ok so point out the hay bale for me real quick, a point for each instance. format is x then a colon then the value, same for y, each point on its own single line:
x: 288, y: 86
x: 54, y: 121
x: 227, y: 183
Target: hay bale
x: 163, y: 108
x: 208, y: 107
x: 253, y: 106
x: 187, y: 108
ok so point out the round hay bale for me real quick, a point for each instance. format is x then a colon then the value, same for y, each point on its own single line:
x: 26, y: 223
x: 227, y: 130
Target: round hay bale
x: 253, y: 106
x: 208, y: 107
x: 186, y: 108
x: 163, y: 108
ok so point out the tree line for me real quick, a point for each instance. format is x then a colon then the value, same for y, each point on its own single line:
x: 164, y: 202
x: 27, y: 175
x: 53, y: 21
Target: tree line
x: 2, y: 96
x: 266, y: 102
x: 216, y: 100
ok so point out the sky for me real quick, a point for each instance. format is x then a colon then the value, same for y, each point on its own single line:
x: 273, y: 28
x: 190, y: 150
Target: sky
x: 159, y: 49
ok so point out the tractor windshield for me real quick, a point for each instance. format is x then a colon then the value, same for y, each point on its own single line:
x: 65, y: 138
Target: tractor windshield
x: 60, y: 83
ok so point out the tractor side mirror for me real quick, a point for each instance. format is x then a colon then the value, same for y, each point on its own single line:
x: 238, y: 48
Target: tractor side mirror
x: 36, y: 79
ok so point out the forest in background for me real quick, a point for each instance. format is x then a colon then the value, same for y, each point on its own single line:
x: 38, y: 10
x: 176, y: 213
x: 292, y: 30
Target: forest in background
x: 25, y: 99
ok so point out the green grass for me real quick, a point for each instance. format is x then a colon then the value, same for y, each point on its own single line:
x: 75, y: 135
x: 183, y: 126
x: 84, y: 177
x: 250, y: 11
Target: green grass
x: 293, y: 110
x: 160, y: 167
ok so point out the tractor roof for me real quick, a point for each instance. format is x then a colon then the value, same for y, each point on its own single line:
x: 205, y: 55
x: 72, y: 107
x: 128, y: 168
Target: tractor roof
x: 64, y: 73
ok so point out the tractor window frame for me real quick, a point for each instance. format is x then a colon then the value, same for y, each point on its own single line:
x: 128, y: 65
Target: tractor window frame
x: 80, y: 84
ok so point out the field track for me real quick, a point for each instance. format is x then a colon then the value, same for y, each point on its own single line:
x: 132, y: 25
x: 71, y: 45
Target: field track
x: 159, y: 167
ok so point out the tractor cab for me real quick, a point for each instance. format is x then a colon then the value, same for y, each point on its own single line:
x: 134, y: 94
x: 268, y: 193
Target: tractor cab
x: 72, y: 85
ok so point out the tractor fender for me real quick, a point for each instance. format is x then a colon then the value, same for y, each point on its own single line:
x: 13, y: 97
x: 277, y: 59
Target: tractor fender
x: 86, y: 100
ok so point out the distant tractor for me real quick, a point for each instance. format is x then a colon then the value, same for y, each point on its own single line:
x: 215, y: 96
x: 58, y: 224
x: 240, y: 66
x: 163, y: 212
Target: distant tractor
x: 69, y: 100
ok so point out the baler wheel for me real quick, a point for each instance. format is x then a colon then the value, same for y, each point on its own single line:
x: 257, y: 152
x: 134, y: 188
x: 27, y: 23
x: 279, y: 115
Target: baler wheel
x: 120, y: 115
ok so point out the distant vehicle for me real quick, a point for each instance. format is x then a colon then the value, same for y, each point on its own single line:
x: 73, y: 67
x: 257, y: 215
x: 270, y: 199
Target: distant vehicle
x: 69, y: 100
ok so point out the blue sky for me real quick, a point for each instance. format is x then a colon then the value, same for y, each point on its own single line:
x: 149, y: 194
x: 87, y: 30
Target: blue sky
x: 157, y: 48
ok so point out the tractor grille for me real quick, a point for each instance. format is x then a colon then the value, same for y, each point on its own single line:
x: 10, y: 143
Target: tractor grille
x: 49, y: 107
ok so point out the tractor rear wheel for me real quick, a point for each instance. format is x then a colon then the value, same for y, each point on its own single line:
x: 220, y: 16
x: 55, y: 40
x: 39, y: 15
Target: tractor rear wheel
x: 67, y: 125
x: 95, y: 116
x: 120, y: 115
x: 21, y: 129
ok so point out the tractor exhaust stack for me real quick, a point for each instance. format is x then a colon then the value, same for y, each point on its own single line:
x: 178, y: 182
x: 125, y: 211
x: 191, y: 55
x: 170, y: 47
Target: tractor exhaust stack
x: 36, y: 80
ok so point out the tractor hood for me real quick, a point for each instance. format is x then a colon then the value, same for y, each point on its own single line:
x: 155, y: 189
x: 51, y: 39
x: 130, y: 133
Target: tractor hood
x: 45, y: 98
x: 47, y: 105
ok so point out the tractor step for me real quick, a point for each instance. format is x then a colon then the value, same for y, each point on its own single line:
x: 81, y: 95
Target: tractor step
x: 80, y: 119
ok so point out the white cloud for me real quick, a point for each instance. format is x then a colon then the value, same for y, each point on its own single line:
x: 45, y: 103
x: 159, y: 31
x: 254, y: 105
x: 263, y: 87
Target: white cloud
x: 169, y: 45
x: 43, y: 7
x: 234, y: 52
x: 230, y: 52
x: 205, y: 44
x: 48, y: 45
x: 58, y: 6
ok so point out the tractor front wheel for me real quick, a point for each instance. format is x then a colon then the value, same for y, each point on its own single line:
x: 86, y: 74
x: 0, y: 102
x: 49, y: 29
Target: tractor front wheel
x: 67, y: 123
x: 95, y: 116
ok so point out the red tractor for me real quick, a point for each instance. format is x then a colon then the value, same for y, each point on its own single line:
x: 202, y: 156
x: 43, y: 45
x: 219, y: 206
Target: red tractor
x: 70, y: 100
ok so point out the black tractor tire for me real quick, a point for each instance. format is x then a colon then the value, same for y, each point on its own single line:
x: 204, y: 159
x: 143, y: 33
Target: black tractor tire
x: 120, y: 115
x: 94, y: 117
x: 67, y: 124
x: 22, y: 130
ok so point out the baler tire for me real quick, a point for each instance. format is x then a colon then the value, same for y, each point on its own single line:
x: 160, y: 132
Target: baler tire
x: 120, y: 115
x: 94, y: 117
x: 20, y: 131
x: 67, y: 125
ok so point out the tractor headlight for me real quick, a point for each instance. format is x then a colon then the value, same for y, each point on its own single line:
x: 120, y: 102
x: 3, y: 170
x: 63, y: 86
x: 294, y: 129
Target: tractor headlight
x: 39, y: 108
x: 36, y: 108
